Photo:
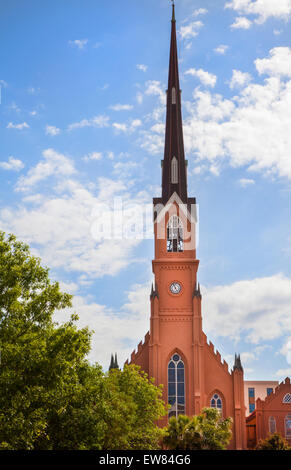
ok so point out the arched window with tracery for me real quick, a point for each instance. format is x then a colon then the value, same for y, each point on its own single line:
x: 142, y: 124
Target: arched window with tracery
x: 287, y: 398
x: 174, y: 171
x: 174, y: 234
x: 176, y: 386
x: 288, y: 426
x: 173, y: 95
x: 216, y: 402
x: 272, y: 424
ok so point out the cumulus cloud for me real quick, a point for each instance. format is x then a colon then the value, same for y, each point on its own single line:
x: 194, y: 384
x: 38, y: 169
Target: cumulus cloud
x: 207, y: 78
x: 61, y: 226
x: 257, y: 308
x: 200, y: 11
x: 96, y: 121
x: 239, y: 79
x: 245, y: 182
x: 241, y: 22
x: 262, y: 9
x: 129, y: 127
x: 92, y: 156
x: 142, y: 67
x: 79, y: 43
x: 121, y: 107
x: 117, y: 331
x: 52, y: 163
x: 19, y: 127
x: 189, y: 31
x: 52, y: 130
x: 278, y: 64
x: 221, y: 49
x: 13, y: 164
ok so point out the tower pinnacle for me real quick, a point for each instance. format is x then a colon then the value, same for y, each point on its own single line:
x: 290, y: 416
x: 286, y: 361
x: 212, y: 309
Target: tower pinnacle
x: 174, y: 165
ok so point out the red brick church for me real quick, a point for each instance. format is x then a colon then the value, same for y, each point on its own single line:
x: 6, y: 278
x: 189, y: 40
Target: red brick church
x: 176, y: 351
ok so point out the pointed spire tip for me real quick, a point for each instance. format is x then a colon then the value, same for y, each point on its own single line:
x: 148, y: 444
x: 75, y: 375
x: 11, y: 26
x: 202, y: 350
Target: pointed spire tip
x: 173, y: 14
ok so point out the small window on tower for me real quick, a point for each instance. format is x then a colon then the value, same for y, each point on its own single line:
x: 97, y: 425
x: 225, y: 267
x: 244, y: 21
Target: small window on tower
x: 174, y: 235
x: 173, y: 95
x: 174, y: 171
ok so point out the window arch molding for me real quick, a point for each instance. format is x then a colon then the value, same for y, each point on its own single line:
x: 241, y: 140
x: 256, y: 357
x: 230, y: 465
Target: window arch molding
x: 218, y: 392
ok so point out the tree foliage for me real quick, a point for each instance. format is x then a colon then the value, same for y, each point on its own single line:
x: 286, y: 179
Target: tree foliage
x: 205, y: 431
x: 50, y: 396
x: 273, y: 442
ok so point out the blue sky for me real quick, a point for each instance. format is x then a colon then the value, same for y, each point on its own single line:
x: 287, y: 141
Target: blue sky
x: 82, y: 122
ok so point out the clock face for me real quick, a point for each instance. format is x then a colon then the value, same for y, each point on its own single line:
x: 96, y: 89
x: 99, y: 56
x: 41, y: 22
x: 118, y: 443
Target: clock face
x: 175, y: 288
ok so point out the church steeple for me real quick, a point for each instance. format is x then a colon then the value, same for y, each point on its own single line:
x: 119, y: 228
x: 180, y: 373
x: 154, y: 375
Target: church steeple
x: 174, y: 165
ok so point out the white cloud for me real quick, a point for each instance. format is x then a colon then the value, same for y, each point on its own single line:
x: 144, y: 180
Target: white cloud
x: 216, y: 128
x: 19, y: 127
x: 92, y: 156
x: 262, y: 9
x: 3, y: 83
x: 283, y: 373
x: 97, y: 121
x: 258, y: 308
x: 241, y: 22
x: 117, y: 331
x: 79, y: 43
x: 59, y: 226
x: 53, y: 163
x: 278, y: 64
x: 52, y: 130
x: 12, y: 164
x: 139, y: 97
x: 121, y: 107
x: 127, y: 127
x: 33, y: 113
x: 221, y: 49
x: 190, y: 30
x: 207, y: 78
x: 245, y: 182
x: 142, y: 67
x: 200, y: 11
x: 239, y: 79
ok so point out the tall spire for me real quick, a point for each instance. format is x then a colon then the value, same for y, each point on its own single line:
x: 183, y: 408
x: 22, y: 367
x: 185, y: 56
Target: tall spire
x: 174, y: 165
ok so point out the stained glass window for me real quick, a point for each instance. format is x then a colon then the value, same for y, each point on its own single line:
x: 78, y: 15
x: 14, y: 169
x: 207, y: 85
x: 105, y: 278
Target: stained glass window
x: 176, y: 386
x: 216, y: 402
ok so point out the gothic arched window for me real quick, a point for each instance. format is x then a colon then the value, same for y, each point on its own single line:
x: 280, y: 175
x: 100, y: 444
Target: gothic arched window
x: 174, y: 171
x: 288, y: 426
x: 176, y: 386
x: 174, y: 234
x: 216, y: 402
x: 287, y: 398
x: 173, y: 95
x: 272, y: 424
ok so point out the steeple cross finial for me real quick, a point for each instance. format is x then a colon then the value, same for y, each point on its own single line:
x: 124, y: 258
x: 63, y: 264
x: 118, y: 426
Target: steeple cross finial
x: 173, y: 5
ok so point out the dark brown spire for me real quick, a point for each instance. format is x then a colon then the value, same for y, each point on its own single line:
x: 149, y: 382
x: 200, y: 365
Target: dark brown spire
x: 174, y: 171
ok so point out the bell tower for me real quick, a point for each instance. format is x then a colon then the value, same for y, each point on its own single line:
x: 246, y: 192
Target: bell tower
x: 176, y: 352
x: 175, y: 325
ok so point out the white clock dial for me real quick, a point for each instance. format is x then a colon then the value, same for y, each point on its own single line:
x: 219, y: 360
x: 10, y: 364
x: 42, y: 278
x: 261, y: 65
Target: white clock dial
x: 175, y: 288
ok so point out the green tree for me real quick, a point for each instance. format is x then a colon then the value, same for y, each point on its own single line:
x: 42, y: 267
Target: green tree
x: 273, y: 442
x: 205, y: 431
x: 50, y: 396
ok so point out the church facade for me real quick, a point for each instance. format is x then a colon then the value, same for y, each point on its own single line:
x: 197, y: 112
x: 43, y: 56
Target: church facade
x: 176, y: 351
